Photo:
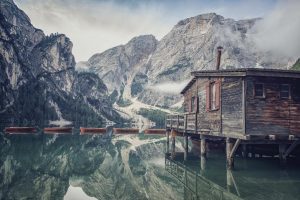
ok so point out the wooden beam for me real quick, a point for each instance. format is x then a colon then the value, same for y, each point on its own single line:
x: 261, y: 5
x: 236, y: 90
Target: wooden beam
x: 236, y: 145
x: 291, y: 148
x: 168, y: 141
x: 203, y: 147
x: 186, y: 146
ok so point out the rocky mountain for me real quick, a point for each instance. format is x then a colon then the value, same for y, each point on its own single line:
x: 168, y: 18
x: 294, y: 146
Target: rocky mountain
x: 190, y: 45
x: 38, y: 80
x: 117, y: 66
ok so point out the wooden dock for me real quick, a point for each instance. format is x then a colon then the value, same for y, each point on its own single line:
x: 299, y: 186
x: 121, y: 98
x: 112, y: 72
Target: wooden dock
x: 186, y: 125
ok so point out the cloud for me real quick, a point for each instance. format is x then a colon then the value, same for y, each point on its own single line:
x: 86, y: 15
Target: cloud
x: 169, y: 87
x: 97, y: 25
x: 94, y: 26
x: 279, y: 31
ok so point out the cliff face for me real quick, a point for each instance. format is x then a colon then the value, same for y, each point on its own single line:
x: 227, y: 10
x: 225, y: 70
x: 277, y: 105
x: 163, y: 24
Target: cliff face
x: 38, y: 78
x: 191, y: 45
x: 118, y: 66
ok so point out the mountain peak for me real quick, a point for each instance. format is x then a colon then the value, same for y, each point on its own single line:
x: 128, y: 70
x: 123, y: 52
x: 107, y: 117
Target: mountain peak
x: 200, y: 18
x: 143, y: 38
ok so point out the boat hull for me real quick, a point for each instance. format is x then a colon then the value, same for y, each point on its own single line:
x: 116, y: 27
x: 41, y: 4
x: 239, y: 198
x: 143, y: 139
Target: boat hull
x: 92, y: 130
x: 20, y: 130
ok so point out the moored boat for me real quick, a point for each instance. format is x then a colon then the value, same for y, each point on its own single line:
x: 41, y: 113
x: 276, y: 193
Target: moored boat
x: 155, y: 131
x: 58, y: 130
x: 84, y: 130
x: 20, y: 130
x: 125, y: 130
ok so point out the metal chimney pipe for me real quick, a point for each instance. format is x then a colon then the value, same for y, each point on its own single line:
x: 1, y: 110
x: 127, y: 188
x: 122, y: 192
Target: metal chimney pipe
x: 219, y: 49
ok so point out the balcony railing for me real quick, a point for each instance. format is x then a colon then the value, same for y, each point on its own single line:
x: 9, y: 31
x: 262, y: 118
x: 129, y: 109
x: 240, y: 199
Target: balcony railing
x: 186, y: 122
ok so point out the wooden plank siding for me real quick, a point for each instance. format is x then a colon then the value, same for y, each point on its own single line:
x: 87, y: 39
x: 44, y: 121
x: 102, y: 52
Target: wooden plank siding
x: 228, y: 118
x: 232, y: 106
x: 272, y: 114
x: 207, y: 120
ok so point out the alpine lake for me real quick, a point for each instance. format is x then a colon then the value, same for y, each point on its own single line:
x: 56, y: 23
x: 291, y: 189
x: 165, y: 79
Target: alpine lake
x: 127, y: 166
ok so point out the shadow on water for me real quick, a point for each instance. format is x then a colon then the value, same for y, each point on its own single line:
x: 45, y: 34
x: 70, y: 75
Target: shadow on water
x: 255, y: 178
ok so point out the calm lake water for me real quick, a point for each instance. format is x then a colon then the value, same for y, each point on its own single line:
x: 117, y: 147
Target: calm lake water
x: 131, y: 167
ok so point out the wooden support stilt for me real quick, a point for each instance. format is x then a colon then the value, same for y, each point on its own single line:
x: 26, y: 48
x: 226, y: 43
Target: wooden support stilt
x: 229, y: 146
x: 231, y: 182
x: 168, y: 141
x: 203, y: 147
x: 203, y: 163
x: 282, y: 157
x: 230, y: 151
x: 291, y: 148
x: 244, y: 151
x: 186, y: 146
x: 173, y: 135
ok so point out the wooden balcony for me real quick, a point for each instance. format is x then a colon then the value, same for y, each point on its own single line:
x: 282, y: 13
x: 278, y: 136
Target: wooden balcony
x: 186, y: 122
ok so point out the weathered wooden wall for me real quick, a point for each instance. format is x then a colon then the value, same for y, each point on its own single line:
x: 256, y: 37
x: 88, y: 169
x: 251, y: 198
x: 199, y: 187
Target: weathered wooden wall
x: 192, y: 91
x: 272, y: 115
x: 207, y: 120
x: 232, y: 106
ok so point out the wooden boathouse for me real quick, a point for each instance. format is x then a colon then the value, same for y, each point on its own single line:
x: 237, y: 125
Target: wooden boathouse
x: 241, y: 106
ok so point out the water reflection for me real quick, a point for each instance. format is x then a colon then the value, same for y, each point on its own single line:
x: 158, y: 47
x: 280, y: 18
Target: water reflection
x: 253, y: 178
x: 87, y: 166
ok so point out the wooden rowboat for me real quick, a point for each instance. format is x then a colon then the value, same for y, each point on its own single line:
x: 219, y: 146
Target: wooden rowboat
x: 126, y: 130
x: 92, y: 130
x: 58, y: 130
x: 20, y: 130
x: 155, y: 131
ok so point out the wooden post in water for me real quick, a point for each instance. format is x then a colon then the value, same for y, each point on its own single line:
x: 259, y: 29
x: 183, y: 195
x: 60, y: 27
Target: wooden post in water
x: 202, y: 163
x: 229, y: 159
x: 244, y: 151
x: 168, y: 141
x: 282, y: 157
x: 228, y: 180
x: 173, y: 144
x: 230, y: 151
x: 203, y: 147
x: 186, y: 146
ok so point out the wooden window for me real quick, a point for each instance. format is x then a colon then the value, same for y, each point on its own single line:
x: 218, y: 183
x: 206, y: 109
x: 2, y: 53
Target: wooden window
x: 285, y: 91
x: 213, y: 96
x: 259, y: 90
x: 192, y: 104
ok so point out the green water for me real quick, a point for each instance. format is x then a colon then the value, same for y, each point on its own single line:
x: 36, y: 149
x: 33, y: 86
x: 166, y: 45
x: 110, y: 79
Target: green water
x: 131, y: 167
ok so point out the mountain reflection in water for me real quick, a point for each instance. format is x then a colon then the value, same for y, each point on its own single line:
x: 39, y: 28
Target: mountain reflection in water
x: 131, y: 167
x: 85, y: 167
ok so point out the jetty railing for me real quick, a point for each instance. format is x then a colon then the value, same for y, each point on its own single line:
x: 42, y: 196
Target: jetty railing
x: 186, y: 122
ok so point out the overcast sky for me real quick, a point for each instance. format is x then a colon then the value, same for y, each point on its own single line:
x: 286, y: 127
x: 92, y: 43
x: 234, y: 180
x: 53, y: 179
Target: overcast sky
x: 96, y: 25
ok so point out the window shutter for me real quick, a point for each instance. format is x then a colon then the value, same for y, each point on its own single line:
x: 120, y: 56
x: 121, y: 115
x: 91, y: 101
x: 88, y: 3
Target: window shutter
x: 190, y: 105
x: 218, y: 94
x: 196, y: 104
x: 208, y: 97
